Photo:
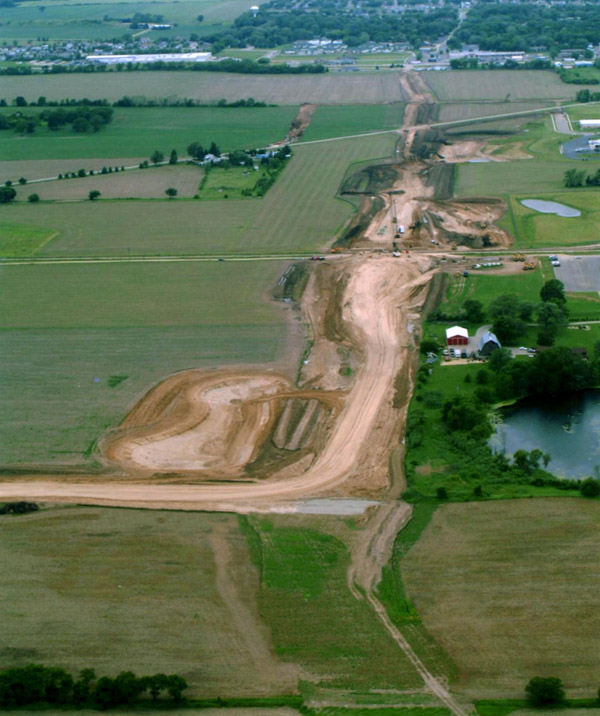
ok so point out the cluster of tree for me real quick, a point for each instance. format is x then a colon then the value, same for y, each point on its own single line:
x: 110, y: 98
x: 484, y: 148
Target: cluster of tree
x: 81, y: 173
x: 273, y: 26
x: 472, y: 63
x: 37, y: 684
x: 577, y: 177
x: 529, y: 26
x: 81, y: 119
x: 18, y: 508
x: 585, y: 95
x: 143, y: 19
x: 197, y: 151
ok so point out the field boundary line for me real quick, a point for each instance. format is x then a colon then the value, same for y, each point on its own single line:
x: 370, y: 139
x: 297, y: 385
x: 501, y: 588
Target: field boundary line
x: 50, y: 261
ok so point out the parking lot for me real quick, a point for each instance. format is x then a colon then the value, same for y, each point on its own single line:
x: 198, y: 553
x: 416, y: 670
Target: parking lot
x: 579, y: 274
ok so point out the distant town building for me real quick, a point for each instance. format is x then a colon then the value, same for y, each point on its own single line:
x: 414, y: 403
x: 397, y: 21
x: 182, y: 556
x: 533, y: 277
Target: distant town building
x: 161, y: 57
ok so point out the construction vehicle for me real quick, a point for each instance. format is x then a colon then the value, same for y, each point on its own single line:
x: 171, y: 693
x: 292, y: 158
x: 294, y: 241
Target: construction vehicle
x: 336, y: 250
x: 529, y: 266
x: 518, y: 257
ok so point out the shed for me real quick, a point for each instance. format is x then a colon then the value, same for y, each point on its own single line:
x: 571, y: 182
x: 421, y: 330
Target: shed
x: 457, y: 336
x: 488, y: 343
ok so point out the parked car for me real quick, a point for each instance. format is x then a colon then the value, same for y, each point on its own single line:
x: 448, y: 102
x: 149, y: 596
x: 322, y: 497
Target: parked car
x: 531, y: 350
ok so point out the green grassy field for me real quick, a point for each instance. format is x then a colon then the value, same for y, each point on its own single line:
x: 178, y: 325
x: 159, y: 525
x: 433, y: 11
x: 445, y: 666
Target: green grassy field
x: 585, y: 111
x: 76, y: 20
x: 534, y: 229
x: 64, y: 326
x: 329, y: 88
x: 313, y: 617
x: 148, y: 183
x: 486, y: 288
x: 139, y: 131
x: 452, y: 111
x: 347, y: 120
x: 299, y: 213
x: 507, y: 588
x: 470, y: 85
x: 22, y: 240
x: 78, y: 604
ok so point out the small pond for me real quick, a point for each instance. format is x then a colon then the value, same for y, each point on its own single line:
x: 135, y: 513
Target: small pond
x: 568, y: 428
x: 550, y: 207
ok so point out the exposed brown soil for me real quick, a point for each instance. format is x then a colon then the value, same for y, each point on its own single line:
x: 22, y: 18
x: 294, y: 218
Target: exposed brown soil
x: 300, y: 122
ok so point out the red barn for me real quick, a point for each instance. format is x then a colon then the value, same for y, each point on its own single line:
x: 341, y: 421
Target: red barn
x: 457, y: 336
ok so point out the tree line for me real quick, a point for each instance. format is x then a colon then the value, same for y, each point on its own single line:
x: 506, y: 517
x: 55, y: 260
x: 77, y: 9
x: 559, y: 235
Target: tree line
x: 81, y: 119
x: 134, y: 101
x: 246, y: 67
x: 36, y: 684
x: 271, y: 27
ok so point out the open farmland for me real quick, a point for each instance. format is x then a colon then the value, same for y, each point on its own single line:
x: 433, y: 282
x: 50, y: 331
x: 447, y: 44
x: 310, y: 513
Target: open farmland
x: 139, y: 131
x: 471, y: 85
x: 48, y: 168
x: 534, y: 229
x: 454, y: 111
x: 82, y: 343
x: 138, y: 183
x: 508, y: 589
x: 343, y: 121
x: 329, y: 88
x: 299, y: 213
x: 193, y: 568
x: 313, y: 617
x: 86, y: 20
x: 515, y: 177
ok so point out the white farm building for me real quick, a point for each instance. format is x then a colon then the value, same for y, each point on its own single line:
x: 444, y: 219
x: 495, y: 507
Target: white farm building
x: 589, y: 123
x: 161, y: 57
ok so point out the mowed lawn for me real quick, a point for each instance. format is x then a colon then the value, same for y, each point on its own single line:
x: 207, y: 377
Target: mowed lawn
x: 509, y: 590
x: 138, y: 131
x: 487, y: 287
x: 299, y: 213
x: 140, y: 590
x: 469, y: 85
x: 344, y: 121
x: 517, y: 177
x: 69, y: 331
x: 327, y: 88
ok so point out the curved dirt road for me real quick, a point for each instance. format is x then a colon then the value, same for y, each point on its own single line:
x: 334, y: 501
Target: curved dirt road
x: 379, y: 297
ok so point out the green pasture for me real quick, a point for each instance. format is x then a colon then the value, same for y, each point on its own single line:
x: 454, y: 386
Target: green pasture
x: 304, y: 587
x: 585, y: 111
x: 68, y: 330
x: 299, y: 213
x: 536, y: 230
x: 328, y: 88
x: 487, y: 287
x: 66, y: 20
x: 454, y: 111
x: 502, y: 85
x: 515, y: 177
x: 582, y: 73
x: 347, y: 120
x: 139, y: 131
x: 229, y: 183
x: 18, y: 240
x: 79, y: 605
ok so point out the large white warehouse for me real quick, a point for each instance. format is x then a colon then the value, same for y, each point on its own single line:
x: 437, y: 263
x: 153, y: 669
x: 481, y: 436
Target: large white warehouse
x: 589, y: 123
x: 164, y: 57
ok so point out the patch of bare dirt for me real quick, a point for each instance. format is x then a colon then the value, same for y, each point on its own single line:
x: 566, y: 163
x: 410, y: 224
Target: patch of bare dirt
x: 300, y: 123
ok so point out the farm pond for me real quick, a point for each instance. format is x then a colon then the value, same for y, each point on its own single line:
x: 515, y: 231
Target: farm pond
x: 567, y: 428
x: 551, y: 207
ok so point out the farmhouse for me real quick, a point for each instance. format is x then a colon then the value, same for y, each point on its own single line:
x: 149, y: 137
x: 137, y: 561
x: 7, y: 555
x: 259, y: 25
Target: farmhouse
x: 161, y: 57
x: 457, y: 336
x: 488, y: 343
x: 589, y: 123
